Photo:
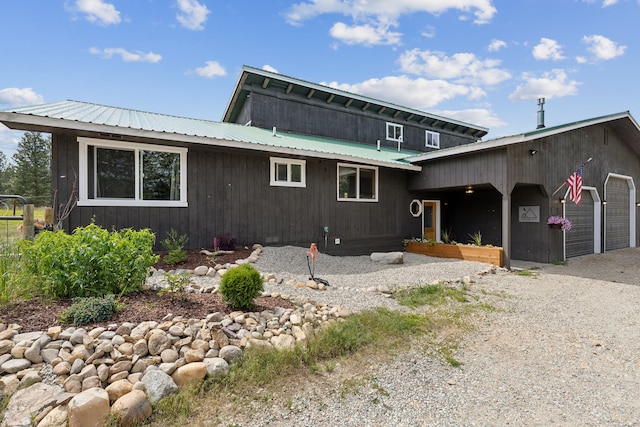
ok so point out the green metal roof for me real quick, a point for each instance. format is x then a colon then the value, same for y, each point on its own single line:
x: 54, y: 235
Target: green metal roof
x: 93, y: 118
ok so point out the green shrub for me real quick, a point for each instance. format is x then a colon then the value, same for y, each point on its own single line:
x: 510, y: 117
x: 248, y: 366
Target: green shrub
x: 176, y: 285
x: 90, y: 262
x: 174, y: 245
x: 90, y: 310
x: 13, y: 282
x: 240, y: 286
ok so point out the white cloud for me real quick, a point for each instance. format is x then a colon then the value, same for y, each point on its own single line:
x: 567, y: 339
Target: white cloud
x: 602, y: 47
x: 496, y: 45
x: 462, y: 67
x: 605, y: 3
x: 211, y: 70
x: 97, y: 11
x: 126, y: 56
x: 269, y: 68
x: 192, y: 14
x: 16, y: 97
x: 552, y: 84
x: 429, y: 32
x: 9, y: 140
x: 364, y: 34
x: 548, y: 49
x: 477, y: 116
x: 581, y: 59
x: 384, y: 12
x: 402, y: 90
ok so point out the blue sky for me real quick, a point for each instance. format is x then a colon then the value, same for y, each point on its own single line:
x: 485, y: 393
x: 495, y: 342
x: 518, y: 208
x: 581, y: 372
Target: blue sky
x: 481, y: 61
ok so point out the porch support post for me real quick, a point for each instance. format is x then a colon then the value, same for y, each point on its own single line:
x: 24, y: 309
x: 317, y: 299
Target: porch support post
x: 506, y: 229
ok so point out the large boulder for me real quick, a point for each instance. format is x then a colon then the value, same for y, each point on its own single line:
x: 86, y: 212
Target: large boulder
x: 190, y: 373
x: 89, y: 408
x: 117, y: 389
x: 216, y: 367
x: 158, y: 384
x: 230, y: 353
x: 132, y: 408
x: 29, y: 402
x: 388, y: 257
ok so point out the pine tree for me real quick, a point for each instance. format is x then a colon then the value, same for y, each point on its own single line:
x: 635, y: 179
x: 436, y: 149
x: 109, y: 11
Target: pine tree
x: 32, y: 172
x: 5, y: 187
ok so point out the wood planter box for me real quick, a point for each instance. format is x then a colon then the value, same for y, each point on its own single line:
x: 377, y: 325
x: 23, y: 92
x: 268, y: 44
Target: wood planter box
x: 490, y: 255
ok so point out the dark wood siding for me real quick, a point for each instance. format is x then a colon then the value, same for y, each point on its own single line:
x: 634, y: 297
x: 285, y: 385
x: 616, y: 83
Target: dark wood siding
x: 229, y: 191
x: 314, y: 117
x: 459, y: 172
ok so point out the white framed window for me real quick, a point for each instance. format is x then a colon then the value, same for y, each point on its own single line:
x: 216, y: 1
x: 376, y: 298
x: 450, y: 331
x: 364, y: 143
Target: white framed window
x: 357, y: 183
x: 432, y: 139
x: 114, y: 173
x: 288, y: 172
x: 395, y: 132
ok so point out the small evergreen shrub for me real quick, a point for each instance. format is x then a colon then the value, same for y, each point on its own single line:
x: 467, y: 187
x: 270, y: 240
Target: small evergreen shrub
x: 240, y: 286
x: 174, y: 245
x: 91, y: 261
x: 90, y: 310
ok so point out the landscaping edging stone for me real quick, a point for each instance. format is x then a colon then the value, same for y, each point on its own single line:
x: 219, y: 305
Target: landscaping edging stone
x: 72, y: 375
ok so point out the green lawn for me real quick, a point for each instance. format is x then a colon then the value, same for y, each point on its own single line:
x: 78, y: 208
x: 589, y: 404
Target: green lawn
x: 9, y: 229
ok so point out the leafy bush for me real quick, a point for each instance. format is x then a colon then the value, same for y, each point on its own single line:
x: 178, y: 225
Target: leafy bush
x: 240, y: 286
x: 90, y: 262
x: 225, y: 242
x: 174, y: 245
x: 176, y: 285
x: 89, y: 310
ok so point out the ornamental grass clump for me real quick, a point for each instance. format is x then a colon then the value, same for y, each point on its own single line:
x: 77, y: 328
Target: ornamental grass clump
x: 240, y: 286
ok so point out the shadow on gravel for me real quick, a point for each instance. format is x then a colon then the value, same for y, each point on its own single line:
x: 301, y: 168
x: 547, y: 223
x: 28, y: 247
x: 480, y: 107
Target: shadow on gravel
x: 620, y: 266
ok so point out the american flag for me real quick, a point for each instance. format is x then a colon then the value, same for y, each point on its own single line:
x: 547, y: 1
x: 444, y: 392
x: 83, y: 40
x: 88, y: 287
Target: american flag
x: 575, y: 185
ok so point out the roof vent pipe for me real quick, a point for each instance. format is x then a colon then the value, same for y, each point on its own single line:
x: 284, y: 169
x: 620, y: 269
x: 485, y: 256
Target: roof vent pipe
x: 540, y: 113
x: 274, y: 131
x: 378, y: 143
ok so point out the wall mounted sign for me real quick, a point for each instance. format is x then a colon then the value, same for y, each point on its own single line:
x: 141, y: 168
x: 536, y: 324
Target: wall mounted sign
x: 529, y: 213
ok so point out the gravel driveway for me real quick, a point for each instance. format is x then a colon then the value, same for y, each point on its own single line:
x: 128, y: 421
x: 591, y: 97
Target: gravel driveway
x: 563, y: 349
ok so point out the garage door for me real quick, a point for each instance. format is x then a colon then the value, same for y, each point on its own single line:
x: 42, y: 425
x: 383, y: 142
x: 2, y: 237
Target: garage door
x: 579, y: 240
x: 617, y: 214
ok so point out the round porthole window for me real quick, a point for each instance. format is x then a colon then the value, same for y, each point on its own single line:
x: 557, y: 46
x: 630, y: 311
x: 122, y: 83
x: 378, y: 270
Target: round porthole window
x: 415, y: 207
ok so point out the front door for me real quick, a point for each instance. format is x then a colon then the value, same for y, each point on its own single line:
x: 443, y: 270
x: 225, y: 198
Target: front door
x: 430, y: 217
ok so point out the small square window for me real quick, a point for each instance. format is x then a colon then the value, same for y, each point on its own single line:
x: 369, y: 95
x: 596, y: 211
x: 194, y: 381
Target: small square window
x: 433, y: 139
x: 395, y: 132
x: 287, y: 172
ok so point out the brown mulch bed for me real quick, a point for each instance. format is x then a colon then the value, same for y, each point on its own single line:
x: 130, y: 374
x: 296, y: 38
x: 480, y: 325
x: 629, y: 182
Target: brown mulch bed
x: 38, y: 315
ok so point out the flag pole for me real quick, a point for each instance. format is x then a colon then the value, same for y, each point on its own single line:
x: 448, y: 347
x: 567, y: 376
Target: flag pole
x: 565, y: 182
